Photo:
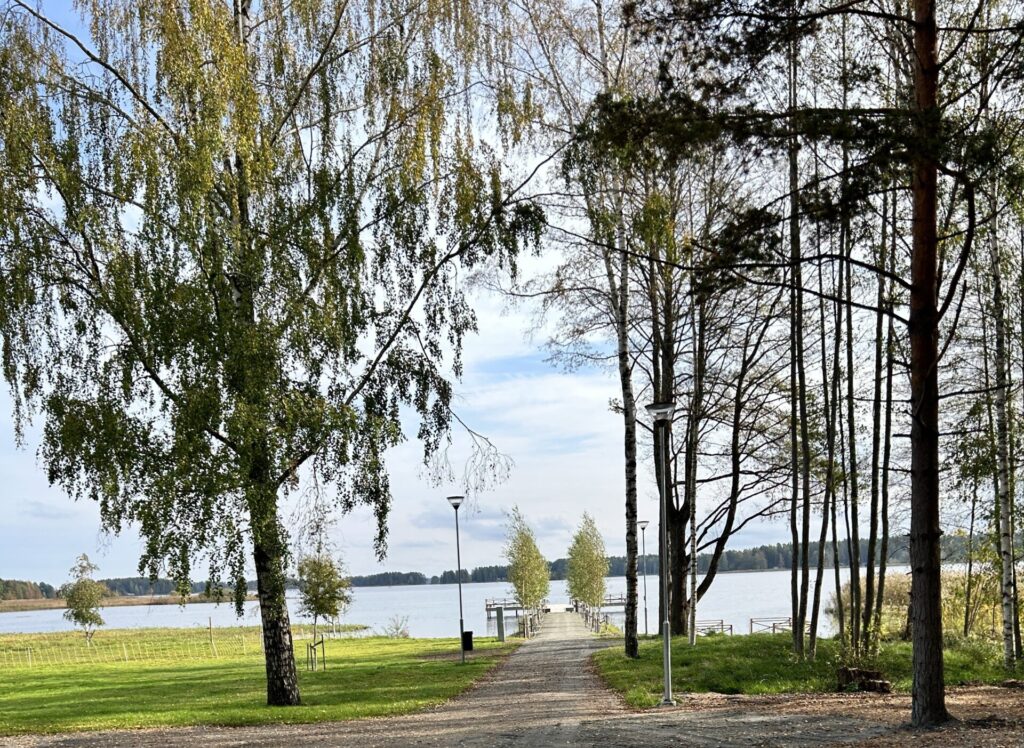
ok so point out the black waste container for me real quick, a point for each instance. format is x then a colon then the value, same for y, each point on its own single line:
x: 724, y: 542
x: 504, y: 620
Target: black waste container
x: 467, y: 641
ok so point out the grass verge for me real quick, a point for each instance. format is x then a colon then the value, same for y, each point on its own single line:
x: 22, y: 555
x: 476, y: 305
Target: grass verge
x: 764, y: 664
x: 371, y: 676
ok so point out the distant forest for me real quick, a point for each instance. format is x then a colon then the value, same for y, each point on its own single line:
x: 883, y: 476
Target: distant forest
x: 389, y: 579
x: 17, y: 589
x: 761, y: 558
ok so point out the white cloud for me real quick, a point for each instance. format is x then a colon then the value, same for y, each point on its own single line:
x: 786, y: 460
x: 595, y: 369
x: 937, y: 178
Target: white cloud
x: 556, y: 426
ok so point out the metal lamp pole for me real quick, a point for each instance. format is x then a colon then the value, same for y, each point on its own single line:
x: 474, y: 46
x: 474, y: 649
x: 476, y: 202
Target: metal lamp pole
x: 456, y: 502
x: 662, y: 413
x: 642, y: 524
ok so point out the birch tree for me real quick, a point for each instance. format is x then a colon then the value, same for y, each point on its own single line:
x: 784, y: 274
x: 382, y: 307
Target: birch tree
x: 587, y: 564
x: 528, y: 570
x: 83, y: 597
x: 233, y: 236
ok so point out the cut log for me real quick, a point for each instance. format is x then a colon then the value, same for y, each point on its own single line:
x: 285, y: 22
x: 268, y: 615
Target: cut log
x: 853, y: 678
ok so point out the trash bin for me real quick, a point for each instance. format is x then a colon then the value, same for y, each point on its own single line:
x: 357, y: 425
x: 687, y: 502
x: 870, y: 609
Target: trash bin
x: 467, y: 641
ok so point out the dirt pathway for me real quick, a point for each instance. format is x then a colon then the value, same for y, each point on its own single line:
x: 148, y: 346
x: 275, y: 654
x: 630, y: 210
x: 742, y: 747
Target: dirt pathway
x: 545, y: 694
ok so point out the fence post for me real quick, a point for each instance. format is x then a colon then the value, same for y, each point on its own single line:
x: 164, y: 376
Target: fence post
x: 213, y: 646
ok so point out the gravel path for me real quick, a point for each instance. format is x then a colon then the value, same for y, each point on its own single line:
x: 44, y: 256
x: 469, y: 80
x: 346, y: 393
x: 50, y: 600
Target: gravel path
x: 545, y: 694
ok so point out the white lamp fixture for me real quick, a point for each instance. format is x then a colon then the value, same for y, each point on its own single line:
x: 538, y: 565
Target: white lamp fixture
x: 661, y: 411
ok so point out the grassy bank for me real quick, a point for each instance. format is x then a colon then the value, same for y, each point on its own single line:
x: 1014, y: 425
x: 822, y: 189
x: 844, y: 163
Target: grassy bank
x: 763, y: 664
x: 173, y: 677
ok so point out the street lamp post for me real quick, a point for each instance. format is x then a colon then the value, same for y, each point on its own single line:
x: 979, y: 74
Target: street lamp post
x: 642, y: 524
x: 662, y: 414
x: 456, y: 502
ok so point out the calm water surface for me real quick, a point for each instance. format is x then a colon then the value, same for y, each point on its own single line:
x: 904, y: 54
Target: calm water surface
x: 433, y: 610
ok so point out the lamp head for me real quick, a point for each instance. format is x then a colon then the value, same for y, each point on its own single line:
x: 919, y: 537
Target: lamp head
x: 642, y: 524
x: 661, y: 411
x: 456, y: 501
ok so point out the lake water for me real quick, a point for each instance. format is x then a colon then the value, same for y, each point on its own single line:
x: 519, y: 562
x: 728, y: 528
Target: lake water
x: 433, y: 610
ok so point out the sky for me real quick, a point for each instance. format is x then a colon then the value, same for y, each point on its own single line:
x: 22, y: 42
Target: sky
x: 556, y: 426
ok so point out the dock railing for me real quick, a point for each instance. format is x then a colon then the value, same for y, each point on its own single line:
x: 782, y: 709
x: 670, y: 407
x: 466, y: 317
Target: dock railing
x: 717, y: 626
x: 774, y: 625
x: 508, y: 604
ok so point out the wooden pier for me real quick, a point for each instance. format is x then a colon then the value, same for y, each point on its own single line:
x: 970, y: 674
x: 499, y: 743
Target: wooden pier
x: 509, y: 605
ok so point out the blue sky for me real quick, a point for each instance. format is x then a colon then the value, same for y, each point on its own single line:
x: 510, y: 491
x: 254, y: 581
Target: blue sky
x: 556, y: 426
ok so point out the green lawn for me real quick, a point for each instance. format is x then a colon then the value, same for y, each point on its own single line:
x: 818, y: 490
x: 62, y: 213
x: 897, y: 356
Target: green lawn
x: 762, y: 664
x: 168, y: 677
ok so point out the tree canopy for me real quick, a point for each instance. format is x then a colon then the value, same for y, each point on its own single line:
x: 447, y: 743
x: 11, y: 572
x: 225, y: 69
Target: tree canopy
x: 527, y: 568
x: 588, y: 564
x: 234, y: 236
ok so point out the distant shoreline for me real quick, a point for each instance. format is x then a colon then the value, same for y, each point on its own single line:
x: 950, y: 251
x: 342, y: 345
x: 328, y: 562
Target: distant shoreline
x: 15, y: 606
x: 22, y: 605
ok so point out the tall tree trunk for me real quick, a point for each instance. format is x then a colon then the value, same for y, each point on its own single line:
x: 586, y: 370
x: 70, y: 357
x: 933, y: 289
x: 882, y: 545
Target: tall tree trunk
x: 851, y: 638
x: 851, y: 425
x: 876, y: 428
x: 1002, y: 452
x: 968, y: 585
x: 988, y: 361
x: 618, y: 290
x: 846, y: 244
x: 837, y: 431
x: 1013, y: 494
x: 696, y: 415
x: 805, y: 469
x: 837, y: 573
x: 1011, y: 497
x: 797, y: 587
x: 794, y: 503
x: 678, y: 599
x: 831, y: 400
x: 664, y: 282
x: 660, y: 463
x: 890, y: 361
x: 929, y: 695
x: 269, y: 552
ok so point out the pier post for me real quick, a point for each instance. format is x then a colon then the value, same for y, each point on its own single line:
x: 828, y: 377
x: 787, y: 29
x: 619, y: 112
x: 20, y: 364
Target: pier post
x: 499, y: 615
